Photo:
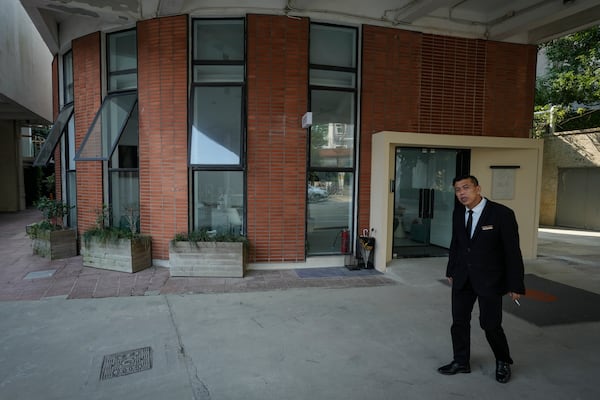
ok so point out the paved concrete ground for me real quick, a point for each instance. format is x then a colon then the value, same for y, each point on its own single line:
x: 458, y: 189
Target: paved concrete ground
x: 333, y: 342
x: 24, y: 276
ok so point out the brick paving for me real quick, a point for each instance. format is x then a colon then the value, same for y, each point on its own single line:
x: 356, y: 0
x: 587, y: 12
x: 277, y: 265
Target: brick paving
x: 68, y: 278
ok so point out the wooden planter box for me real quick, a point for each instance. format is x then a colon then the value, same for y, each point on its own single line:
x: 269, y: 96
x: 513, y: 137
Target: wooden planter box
x: 56, y: 244
x: 207, y: 259
x: 124, y: 255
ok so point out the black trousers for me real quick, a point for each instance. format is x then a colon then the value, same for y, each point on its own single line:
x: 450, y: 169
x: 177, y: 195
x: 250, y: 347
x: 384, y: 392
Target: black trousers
x: 490, y: 320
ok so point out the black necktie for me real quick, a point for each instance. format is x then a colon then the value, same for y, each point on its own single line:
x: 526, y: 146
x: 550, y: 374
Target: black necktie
x: 469, y: 223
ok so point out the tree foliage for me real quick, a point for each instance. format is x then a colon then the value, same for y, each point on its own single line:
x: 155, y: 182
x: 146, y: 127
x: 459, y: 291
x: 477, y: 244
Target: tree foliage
x: 574, y: 70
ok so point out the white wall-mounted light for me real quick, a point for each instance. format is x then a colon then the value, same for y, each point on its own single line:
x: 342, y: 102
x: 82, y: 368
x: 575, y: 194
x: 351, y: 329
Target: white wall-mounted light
x: 307, y: 120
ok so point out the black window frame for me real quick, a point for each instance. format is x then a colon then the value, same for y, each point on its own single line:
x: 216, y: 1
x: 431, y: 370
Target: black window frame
x: 110, y: 73
x: 199, y: 167
x: 66, y: 87
x: 311, y: 170
x: 78, y: 156
x: 58, y: 128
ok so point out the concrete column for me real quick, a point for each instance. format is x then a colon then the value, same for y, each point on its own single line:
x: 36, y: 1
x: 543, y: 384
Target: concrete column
x: 11, y: 168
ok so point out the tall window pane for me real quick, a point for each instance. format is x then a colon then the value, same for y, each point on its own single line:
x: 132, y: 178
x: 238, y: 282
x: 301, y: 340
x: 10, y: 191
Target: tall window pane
x: 329, y: 210
x: 219, y: 39
x: 217, y: 125
x: 122, y: 60
x: 68, y: 77
x: 72, y: 198
x: 332, y: 45
x: 124, y: 195
x: 331, y: 165
x: 217, y: 130
x: 70, y: 164
x: 332, y: 132
x: 219, y: 201
x: 108, y: 124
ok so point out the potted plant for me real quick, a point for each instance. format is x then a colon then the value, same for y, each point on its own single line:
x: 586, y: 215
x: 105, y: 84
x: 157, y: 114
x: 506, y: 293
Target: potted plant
x: 116, y: 248
x: 207, y: 253
x: 51, y: 239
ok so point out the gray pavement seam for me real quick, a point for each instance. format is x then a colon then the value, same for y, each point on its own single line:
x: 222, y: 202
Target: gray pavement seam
x: 199, y: 389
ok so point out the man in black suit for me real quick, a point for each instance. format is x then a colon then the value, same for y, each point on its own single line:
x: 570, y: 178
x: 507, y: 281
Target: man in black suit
x: 484, y: 264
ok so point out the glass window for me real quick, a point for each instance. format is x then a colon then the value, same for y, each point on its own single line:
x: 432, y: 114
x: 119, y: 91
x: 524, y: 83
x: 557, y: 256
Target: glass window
x: 122, y: 81
x: 54, y: 136
x: 333, y: 45
x: 122, y: 60
x: 331, y: 165
x: 332, y: 132
x: 323, y: 77
x: 71, y: 164
x: 219, y: 39
x: 329, y: 210
x: 68, y: 77
x: 72, y: 198
x: 126, y: 151
x: 217, y: 125
x: 218, y: 73
x: 124, y: 199
x: 124, y: 178
x: 219, y: 201
x: 217, y: 130
x: 107, y: 127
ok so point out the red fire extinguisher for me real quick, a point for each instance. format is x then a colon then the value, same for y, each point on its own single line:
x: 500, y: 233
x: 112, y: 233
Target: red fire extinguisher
x: 345, y: 242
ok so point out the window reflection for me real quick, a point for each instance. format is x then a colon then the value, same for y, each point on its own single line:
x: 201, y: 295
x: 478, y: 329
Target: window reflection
x: 329, y: 210
x: 216, y: 131
x: 219, y: 201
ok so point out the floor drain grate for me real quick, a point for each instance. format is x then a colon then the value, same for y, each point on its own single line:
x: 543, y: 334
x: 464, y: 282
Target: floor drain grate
x: 126, y: 363
x: 40, y: 274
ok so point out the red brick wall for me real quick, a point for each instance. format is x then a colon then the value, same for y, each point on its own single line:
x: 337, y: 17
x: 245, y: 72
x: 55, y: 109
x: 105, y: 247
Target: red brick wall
x: 435, y: 84
x: 452, y: 85
x: 389, y: 97
x: 86, y: 82
x: 277, y: 84
x: 509, y: 89
x: 163, y: 129
x: 55, y: 110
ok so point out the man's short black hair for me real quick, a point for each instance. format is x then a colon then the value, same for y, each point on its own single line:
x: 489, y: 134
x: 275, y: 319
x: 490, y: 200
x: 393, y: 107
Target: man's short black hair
x: 463, y: 177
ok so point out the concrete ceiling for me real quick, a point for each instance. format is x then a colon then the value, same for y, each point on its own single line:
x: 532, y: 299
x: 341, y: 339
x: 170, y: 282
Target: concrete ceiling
x: 517, y: 21
x: 10, y: 110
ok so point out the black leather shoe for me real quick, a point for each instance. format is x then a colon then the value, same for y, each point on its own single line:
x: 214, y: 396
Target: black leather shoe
x: 454, y: 368
x: 502, y: 371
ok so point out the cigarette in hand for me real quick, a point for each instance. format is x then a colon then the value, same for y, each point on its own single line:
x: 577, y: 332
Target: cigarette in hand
x: 517, y: 302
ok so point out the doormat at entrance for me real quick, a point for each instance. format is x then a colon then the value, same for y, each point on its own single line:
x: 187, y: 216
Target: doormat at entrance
x: 552, y: 303
x: 334, y: 272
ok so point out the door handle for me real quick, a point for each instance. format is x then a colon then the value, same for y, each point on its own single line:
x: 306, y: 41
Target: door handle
x: 431, y: 202
x: 421, y: 205
x: 426, y: 199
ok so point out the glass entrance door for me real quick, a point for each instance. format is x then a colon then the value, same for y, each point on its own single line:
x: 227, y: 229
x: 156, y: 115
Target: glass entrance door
x: 424, y: 200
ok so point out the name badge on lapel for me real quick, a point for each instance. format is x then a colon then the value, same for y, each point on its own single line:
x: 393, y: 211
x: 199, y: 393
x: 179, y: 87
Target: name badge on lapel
x: 487, y: 227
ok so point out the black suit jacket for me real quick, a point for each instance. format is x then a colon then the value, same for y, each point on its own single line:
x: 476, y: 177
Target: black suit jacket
x: 492, y: 259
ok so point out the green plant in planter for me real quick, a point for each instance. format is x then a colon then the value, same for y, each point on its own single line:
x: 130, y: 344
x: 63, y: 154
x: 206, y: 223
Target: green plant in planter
x: 105, y: 233
x: 53, y: 212
x: 116, y: 248
x: 205, y: 235
x: 208, y: 253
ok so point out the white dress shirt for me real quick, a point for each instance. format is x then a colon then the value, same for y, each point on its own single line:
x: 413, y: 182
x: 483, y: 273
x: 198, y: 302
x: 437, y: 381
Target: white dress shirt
x: 477, y: 210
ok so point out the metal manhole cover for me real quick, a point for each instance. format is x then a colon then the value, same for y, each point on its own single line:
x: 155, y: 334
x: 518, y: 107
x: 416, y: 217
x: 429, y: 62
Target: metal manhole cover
x: 126, y: 363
